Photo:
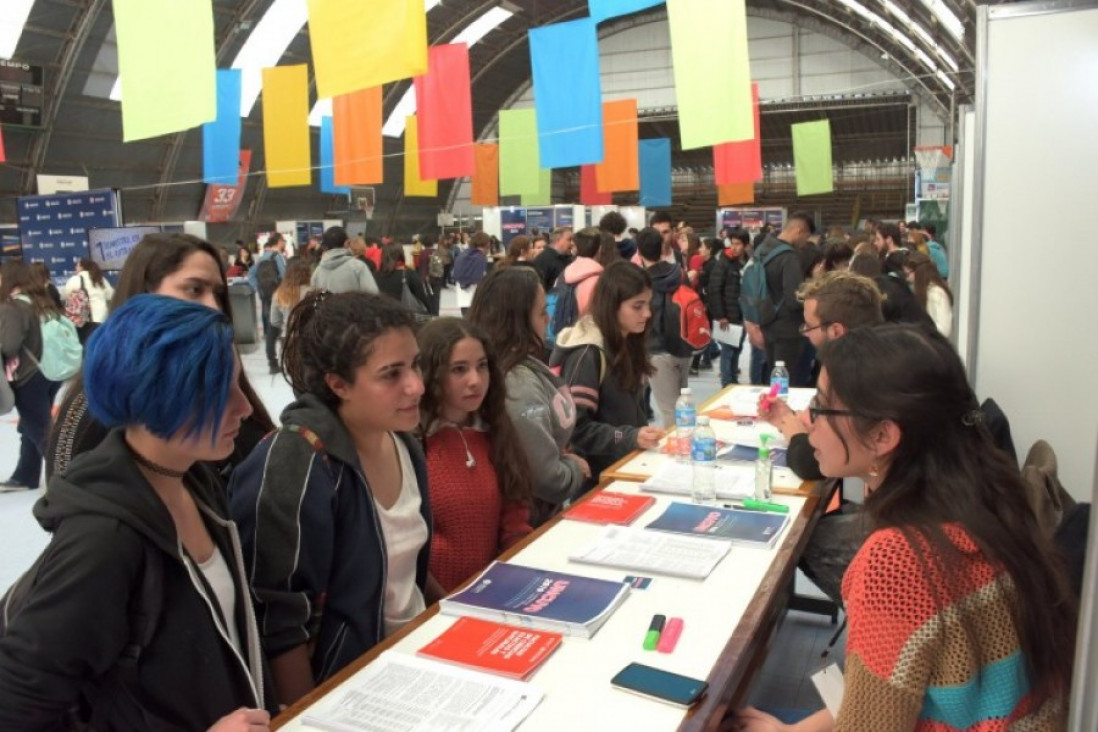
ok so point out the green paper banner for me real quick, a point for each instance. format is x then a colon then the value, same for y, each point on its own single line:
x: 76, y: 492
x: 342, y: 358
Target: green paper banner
x: 812, y: 157
x: 518, y: 152
x: 544, y: 194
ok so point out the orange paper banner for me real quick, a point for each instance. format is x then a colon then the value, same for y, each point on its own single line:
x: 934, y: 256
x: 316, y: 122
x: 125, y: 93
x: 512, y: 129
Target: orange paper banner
x: 731, y: 194
x: 356, y: 126
x: 619, y: 169
x: 486, y: 175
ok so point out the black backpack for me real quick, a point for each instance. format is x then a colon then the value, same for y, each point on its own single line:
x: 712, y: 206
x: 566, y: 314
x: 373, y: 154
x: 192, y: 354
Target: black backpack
x: 266, y: 276
x: 144, y: 615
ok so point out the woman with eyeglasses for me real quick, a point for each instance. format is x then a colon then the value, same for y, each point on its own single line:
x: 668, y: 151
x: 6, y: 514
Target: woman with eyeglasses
x: 960, y: 612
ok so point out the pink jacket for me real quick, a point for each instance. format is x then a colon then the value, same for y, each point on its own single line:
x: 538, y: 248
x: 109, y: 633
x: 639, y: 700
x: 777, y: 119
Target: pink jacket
x: 586, y: 272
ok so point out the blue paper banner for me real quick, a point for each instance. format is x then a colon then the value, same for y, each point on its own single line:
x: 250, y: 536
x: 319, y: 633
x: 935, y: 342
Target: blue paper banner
x: 600, y: 10
x: 327, y: 161
x: 564, y: 58
x: 221, y: 138
x: 655, y: 172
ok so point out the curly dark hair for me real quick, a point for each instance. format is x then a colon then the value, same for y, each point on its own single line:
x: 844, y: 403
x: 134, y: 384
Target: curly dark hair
x: 334, y: 334
x: 436, y: 343
x: 501, y: 309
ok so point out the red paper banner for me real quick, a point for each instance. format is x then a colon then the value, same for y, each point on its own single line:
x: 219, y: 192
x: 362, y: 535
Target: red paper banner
x: 3, y: 158
x: 589, y: 190
x: 445, y: 112
x: 740, y: 162
x: 222, y: 202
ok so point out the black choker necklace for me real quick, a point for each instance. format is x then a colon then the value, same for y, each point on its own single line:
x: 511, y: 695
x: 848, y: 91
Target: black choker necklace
x: 150, y: 465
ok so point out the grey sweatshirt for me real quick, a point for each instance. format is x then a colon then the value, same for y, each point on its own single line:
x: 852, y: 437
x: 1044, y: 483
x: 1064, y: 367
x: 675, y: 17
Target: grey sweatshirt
x: 339, y: 271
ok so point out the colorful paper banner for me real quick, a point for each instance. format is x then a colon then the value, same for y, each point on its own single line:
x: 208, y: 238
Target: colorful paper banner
x: 589, y: 189
x: 740, y: 162
x: 166, y: 64
x: 286, y: 144
x: 486, y: 176
x: 518, y: 152
x: 356, y: 126
x: 327, y: 160
x: 223, y: 201
x: 221, y: 138
x: 564, y: 58
x: 812, y: 157
x: 619, y: 169
x: 543, y: 196
x: 655, y: 172
x: 731, y: 194
x: 445, y: 112
x: 601, y: 10
x: 357, y: 45
x: 712, y: 71
x: 414, y: 185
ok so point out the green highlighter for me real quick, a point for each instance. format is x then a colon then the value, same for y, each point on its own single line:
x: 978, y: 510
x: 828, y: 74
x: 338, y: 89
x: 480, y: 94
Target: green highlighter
x: 756, y: 505
x: 652, y: 637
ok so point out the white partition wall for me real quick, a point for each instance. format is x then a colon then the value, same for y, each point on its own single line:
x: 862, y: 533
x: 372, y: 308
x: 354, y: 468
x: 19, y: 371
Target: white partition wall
x: 1035, y: 192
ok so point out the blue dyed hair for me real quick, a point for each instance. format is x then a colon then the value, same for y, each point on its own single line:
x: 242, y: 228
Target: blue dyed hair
x: 162, y: 363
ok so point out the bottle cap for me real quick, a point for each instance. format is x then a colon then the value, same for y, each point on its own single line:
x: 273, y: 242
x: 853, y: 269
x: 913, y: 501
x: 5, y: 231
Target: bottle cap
x: 703, y: 421
x: 779, y: 363
x: 685, y: 391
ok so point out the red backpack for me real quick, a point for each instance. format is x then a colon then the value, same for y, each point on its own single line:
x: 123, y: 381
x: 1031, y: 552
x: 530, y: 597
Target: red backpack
x: 687, y: 329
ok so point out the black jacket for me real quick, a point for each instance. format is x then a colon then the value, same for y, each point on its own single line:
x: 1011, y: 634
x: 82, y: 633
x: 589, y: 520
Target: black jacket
x: 550, y: 265
x: 391, y: 284
x: 105, y: 518
x: 724, y: 290
x: 801, y: 458
x: 783, y: 276
x: 19, y: 328
x: 666, y: 278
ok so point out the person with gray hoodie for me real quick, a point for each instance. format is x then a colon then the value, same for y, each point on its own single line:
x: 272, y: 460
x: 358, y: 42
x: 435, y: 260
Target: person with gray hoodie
x: 339, y: 270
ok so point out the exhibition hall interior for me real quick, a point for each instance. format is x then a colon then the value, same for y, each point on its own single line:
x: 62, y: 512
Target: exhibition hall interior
x: 466, y: 364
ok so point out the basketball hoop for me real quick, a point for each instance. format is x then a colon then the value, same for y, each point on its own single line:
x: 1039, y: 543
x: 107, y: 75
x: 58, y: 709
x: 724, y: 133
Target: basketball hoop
x: 929, y: 159
x: 363, y: 201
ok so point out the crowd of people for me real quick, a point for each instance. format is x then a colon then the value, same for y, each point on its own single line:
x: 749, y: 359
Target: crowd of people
x: 238, y: 562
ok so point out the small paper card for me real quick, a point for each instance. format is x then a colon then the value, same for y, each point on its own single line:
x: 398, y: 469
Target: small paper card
x: 829, y: 685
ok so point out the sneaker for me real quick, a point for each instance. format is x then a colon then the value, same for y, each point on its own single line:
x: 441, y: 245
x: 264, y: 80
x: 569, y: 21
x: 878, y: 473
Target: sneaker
x: 11, y: 486
x: 274, y: 369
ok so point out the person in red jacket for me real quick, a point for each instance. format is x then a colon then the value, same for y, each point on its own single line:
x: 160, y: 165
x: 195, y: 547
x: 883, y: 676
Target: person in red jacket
x: 477, y: 470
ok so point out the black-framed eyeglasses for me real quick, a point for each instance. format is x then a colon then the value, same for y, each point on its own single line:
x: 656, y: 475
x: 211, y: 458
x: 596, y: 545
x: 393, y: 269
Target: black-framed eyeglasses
x: 805, y: 328
x: 814, y: 411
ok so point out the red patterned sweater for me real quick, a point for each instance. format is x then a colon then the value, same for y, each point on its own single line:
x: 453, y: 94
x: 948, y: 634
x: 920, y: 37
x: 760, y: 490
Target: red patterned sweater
x: 472, y: 521
x: 912, y: 667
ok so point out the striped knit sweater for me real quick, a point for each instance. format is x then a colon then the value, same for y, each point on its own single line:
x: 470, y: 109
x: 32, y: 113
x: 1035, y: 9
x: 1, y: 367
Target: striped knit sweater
x: 910, y: 667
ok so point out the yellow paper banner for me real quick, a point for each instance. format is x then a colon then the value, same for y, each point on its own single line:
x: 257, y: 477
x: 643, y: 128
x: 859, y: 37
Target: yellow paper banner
x: 286, y: 146
x: 167, y: 65
x: 413, y: 184
x: 712, y: 71
x: 362, y: 43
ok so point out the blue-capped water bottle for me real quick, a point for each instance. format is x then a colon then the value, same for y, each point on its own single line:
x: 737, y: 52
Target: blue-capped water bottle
x: 780, y: 376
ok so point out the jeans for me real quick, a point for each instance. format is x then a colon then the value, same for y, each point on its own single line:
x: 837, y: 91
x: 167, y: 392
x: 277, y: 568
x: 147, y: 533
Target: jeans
x: 730, y: 364
x: 270, y: 335
x: 759, y: 367
x: 34, y: 401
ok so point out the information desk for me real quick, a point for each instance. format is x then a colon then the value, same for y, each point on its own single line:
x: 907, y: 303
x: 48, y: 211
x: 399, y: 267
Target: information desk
x: 729, y: 619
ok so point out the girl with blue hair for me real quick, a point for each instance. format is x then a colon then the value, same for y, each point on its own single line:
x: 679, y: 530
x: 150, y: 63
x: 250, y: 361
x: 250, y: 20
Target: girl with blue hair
x: 140, y: 540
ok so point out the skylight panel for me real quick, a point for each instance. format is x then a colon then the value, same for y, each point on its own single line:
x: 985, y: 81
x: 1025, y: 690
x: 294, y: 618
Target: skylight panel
x: 12, y: 21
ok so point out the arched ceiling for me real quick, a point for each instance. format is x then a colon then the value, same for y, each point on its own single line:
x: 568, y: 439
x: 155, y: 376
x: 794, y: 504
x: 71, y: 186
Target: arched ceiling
x: 160, y: 177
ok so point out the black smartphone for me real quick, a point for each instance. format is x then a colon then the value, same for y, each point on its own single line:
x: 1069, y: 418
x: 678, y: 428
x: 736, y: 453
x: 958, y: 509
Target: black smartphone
x: 682, y: 691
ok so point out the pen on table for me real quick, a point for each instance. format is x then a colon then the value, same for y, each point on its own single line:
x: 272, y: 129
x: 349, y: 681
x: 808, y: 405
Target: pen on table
x: 652, y: 637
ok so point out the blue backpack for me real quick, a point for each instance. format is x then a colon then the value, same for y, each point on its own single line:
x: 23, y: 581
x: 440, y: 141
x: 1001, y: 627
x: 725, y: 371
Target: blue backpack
x: 755, y: 300
x: 563, y: 309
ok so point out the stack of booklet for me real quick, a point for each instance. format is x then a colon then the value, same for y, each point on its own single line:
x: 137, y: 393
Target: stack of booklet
x: 652, y: 551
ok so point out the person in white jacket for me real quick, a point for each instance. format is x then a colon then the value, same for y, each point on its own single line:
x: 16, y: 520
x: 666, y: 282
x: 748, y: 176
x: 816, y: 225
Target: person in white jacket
x: 930, y: 290
x: 90, y: 278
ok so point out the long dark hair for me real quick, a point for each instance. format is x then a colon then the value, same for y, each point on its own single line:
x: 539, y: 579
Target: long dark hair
x: 926, y: 274
x: 947, y: 470
x: 92, y: 268
x: 17, y: 274
x: 628, y: 354
x: 436, y: 343
x: 501, y: 309
x: 392, y: 257
x: 334, y: 334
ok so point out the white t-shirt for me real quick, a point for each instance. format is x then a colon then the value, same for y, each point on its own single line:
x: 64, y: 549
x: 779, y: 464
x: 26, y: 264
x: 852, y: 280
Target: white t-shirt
x: 405, y: 533
x: 220, y: 579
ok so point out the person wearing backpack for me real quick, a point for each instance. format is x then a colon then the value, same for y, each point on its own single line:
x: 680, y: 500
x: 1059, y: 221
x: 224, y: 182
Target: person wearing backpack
x: 24, y: 304
x: 603, y: 359
x: 93, y: 287
x: 137, y: 616
x: 671, y: 364
x: 470, y: 266
x: 769, y: 294
x: 265, y: 277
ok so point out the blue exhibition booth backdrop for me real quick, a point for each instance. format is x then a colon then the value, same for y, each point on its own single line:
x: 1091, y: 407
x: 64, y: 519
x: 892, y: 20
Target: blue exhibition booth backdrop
x: 54, y: 229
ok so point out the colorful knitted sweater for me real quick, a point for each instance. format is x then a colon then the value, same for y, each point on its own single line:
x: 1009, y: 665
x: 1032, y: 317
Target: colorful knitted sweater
x: 472, y: 521
x: 910, y: 667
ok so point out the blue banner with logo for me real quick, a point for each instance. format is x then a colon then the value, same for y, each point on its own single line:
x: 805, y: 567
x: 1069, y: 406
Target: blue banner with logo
x: 54, y: 229
x: 512, y: 222
x: 540, y: 218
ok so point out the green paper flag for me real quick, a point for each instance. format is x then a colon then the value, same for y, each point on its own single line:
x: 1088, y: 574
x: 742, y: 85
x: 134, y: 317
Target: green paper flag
x: 166, y: 64
x: 543, y: 196
x: 712, y: 71
x: 812, y: 157
x: 518, y: 152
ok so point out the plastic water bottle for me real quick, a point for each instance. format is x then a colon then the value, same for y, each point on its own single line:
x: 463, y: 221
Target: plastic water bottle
x: 764, y: 471
x: 780, y: 376
x: 685, y: 417
x: 703, y: 454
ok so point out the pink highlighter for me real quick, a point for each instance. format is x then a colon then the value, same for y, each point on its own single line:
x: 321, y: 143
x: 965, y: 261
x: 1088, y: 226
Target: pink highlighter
x: 767, y: 399
x: 669, y: 637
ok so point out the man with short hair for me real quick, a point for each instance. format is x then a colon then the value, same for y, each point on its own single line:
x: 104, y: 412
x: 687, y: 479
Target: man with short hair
x: 834, y: 304
x: 662, y: 222
x: 784, y: 274
x: 613, y: 223
x: 888, y: 239
x: 265, y: 277
x: 555, y: 257
x: 672, y: 372
x: 339, y: 270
